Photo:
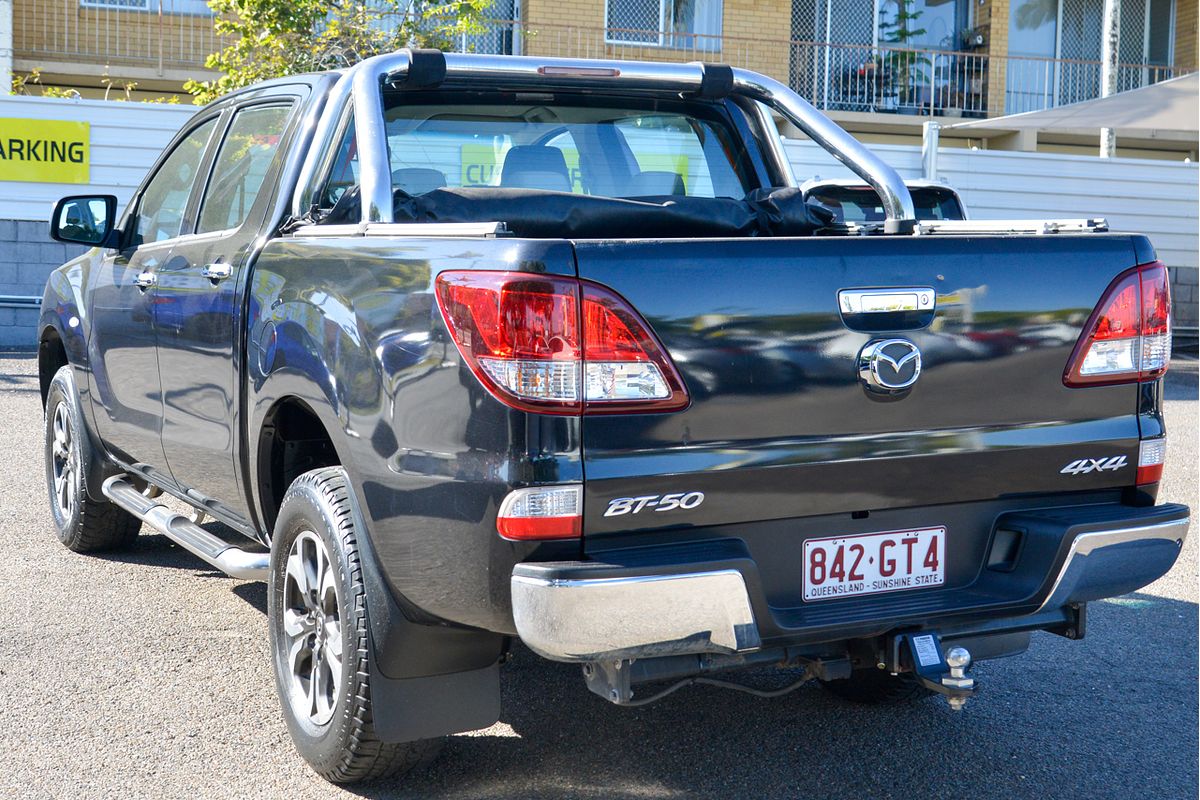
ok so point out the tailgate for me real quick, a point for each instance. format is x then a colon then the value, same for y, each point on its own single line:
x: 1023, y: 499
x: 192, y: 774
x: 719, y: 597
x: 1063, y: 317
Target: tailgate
x: 780, y: 424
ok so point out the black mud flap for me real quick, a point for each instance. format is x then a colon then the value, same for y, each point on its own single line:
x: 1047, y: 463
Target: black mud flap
x: 407, y: 709
x: 427, y: 680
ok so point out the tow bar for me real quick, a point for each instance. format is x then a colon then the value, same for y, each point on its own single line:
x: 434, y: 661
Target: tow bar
x: 944, y: 673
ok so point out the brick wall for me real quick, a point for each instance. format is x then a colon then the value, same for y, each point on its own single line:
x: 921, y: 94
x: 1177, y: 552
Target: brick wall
x: 753, y: 21
x: 755, y: 35
x: 64, y: 30
x: 994, y: 14
x: 1185, y: 33
x: 27, y: 256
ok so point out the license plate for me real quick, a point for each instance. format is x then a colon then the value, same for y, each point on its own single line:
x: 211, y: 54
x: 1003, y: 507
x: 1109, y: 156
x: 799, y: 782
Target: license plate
x: 848, y: 566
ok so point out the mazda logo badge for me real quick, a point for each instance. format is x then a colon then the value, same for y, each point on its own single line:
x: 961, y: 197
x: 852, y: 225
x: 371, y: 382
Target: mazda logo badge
x: 889, y: 366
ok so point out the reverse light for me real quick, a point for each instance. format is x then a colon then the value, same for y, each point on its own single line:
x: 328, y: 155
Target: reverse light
x: 557, y: 345
x: 1151, y: 456
x: 542, y: 512
x: 1128, y: 337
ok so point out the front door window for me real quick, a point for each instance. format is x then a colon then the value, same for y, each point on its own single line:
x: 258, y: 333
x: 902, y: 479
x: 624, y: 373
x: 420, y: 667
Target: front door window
x: 163, y: 204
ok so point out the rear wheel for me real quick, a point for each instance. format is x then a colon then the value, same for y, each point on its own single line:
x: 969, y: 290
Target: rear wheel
x: 877, y: 687
x: 317, y: 610
x: 82, y: 524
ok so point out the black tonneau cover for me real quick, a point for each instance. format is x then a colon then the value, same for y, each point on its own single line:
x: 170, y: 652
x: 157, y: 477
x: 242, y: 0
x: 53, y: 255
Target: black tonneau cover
x: 539, y: 214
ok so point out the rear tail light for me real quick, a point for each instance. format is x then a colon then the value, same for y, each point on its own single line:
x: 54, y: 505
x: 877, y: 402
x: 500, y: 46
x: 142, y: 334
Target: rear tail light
x: 1151, y: 457
x: 557, y: 345
x: 1128, y: 337
x: 542, y: 512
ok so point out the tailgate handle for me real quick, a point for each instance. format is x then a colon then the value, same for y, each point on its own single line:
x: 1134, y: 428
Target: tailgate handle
x: 887, y: 300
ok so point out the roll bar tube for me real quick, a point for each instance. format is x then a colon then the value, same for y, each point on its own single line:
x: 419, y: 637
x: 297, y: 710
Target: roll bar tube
x: 363, y: 84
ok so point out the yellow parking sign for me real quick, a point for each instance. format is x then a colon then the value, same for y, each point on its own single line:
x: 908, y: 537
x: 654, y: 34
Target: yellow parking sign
x: 45, y: 151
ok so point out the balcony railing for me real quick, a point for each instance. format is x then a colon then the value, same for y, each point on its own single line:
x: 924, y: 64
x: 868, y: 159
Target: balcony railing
x: 853, y: 77
x: 178, y: 35
x: 160, y: 35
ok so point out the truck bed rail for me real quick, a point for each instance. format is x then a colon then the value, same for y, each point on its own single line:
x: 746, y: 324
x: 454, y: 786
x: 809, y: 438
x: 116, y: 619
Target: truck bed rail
x: 994, y: 226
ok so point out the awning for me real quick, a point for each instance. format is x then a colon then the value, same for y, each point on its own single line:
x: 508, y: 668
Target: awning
x: 1169, y: 109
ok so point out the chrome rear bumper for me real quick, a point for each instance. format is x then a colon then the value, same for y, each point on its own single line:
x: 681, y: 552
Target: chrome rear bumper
x: 1110, y: 562
x: 632, y: 617
x: 590, y: 611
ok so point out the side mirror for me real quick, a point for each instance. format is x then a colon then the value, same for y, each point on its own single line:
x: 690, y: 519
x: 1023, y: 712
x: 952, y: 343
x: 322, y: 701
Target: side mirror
x: 85, y: 219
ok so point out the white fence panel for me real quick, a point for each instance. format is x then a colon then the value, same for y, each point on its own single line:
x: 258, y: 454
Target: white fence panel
x: 810, y: 161
x: 1158, y: 198
x: 126, y: 138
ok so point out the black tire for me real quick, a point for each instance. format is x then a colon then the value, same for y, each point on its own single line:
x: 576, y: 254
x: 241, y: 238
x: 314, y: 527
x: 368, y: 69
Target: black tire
x: 878, y: 687
x: 81, y: 523
x: 344, y: 747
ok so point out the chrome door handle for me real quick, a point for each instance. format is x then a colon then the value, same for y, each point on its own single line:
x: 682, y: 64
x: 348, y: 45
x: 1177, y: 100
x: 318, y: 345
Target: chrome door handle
x: 217, y: 272
x: 145, y: 280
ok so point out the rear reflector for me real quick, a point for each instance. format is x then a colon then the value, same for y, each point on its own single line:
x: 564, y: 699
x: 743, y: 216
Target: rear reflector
x: 1151, y: 457
x: 557, y: 345
x: 542, y: 512
x: 1128, y: 337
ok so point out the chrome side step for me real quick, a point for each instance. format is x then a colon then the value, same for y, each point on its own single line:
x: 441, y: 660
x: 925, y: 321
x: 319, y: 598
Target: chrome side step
x: 187, y: 534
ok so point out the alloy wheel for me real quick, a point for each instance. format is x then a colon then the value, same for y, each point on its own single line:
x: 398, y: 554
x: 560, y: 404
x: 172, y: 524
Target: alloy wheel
x: 312, y: 629
x: 65, y: 462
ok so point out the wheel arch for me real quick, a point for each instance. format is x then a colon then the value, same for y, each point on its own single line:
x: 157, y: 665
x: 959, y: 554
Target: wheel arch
x: 291, y: 439
x: 51, y: 357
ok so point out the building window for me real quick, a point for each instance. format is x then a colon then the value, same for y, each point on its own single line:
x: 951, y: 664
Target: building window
x: 1056, y: 47
x: 932, y: 24
x: 189, y: 7
x: 681, y: 24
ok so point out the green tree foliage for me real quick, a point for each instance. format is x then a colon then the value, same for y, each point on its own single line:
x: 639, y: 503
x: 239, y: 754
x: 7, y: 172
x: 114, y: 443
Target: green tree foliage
x: 273, y: 38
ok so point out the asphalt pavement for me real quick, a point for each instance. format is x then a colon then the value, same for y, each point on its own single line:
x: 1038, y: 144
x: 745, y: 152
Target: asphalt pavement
x: 146, y: 674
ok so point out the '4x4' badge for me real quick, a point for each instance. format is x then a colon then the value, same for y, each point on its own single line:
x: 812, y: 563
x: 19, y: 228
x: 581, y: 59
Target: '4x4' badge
x: 1082, y: 466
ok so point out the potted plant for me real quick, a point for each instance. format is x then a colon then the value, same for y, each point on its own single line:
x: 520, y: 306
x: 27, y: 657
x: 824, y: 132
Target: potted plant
x: 906, y: 67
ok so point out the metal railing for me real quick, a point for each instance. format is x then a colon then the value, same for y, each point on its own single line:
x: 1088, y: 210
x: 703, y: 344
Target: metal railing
x: 20, y: 301
x: 884, y: 78
x: 157, y: 34
x: 1033, y: 84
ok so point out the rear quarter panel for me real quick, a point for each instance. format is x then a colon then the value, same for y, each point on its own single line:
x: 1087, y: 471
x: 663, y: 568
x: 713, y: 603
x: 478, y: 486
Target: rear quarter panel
x: 351, y: 327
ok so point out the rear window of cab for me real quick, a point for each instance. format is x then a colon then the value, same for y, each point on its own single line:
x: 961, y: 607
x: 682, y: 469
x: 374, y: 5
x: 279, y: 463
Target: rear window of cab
x: 580, y: 145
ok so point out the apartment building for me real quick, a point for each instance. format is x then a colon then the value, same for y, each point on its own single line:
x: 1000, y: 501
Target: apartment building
x: 880, y: 66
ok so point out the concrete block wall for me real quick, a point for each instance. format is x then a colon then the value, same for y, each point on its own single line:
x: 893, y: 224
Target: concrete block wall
x: 27, y: 256
x: 1184, y: 298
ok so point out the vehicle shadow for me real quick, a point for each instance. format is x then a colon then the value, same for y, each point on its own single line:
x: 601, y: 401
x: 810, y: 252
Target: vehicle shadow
x: 1181, y: 382
x: 1068, y: 719
x: 155, y: 550
x: 23, y: 379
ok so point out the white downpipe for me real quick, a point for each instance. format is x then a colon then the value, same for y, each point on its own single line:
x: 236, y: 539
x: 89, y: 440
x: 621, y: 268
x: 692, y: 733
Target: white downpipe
x: 1110, y: 48
x: 828, y: 46
x: 6, y: 46
x: 929, y: 149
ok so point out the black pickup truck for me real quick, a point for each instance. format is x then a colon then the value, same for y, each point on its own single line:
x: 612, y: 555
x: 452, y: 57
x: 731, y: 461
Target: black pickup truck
x: 464, y: 349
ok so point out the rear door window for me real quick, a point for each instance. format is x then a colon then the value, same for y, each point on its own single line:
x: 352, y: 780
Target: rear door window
x: 241, y: 166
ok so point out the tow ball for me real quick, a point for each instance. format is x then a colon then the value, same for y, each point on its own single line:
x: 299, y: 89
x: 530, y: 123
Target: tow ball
x: 944, y: 673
